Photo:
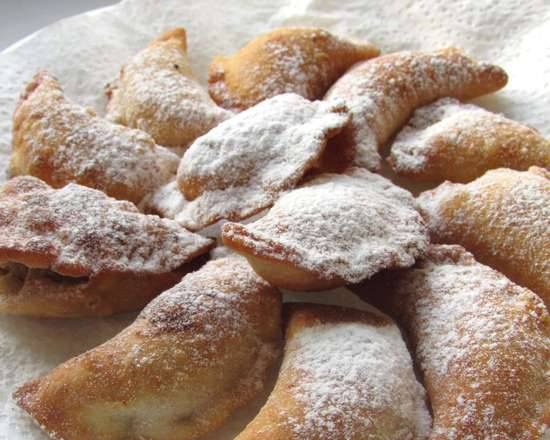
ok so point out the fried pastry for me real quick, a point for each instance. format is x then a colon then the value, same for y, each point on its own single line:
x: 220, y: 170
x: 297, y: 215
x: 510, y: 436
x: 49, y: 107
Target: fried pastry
x: 383, y: 93
x: 245, y: 163
x: 346, y: 375
x: 448, y: 140
x: 76, y: 252
x: 481, y: 342
x: 61, y: 142
x: 157, y: 93
x: 305, y: 61
x: 335, y: 230
x: 503, y: 218
x: 192, y: 357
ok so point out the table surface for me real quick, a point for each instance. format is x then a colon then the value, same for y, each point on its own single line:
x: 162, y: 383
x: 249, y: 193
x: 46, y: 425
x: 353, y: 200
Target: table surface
x: 19, y: 18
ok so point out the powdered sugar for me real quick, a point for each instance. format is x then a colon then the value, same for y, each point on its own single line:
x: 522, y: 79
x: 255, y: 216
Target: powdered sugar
x: 242, y: 165
x: 165, y: 202
x: 480, y: 339
x: 291, y: 61
x: 61, y: 142
x: 448, y: 139
x: 354, y: 379
x: 158, y: 94
x: 234, y: 203
x: 216, y: 298
x: 77, y: 231
x: 348, y: 226
x: 382, y: 93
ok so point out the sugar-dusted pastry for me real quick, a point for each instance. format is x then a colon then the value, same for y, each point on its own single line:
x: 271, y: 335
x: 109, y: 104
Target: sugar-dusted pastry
x: 157, y: 93
x: 166, y: 202
x: 305, y: 61
x: 61, y: 142
x: 503, y: 218
x: 242, y: 165
x: 449, y: 140
x: 346, y: 375
x: 76, y: 252
x: 383, y: 93
x: 335, y: 230
x: 192, y: 357
x: 481, y: 343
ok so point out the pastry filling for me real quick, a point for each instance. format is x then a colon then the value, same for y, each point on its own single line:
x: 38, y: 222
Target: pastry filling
x: 13, y: 277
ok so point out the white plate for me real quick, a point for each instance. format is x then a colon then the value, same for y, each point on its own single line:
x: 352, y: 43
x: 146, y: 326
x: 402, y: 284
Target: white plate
x: 86, y: 52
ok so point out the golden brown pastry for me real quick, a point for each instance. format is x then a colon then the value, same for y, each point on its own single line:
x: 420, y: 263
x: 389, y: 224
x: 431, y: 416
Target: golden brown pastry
x: 336, y: 229
x: 305, y: 61
x: 61, y: 142
x: 383, y: 93
x: 192, y: 357
x: 481, y: 342
x: 448, y: 140
x: 245, y: 163
x: 346, y: 375
x: 76, y: 252
x: 503, y: 218
x: 157, y: 93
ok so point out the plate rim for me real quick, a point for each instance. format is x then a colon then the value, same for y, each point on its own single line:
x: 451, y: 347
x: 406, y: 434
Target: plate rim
x: 14, y: 46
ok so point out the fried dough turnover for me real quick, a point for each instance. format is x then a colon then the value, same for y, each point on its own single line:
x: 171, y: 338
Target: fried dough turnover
x: 383, y: 93
x: 76, y: 252
x: 335, y: 230
x: 346, y: 375
x: 192, y: 357
x: 61, y: 142
x: 448, y: 140
x: 243, y: 165
x: 305, y: 61
x: 481, y: 342
x: 158, y: 93
x: 503, y: 218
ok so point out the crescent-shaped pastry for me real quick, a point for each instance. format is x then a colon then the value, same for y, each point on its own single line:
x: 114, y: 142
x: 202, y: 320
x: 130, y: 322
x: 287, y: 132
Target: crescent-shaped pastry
x: 243, y: 165
x: 76, y: 252
x: 481, y: 343
x: 192, y: 357
x: 335, y: 230
x: 305, y: 61
x: 503, y: 218
x: 448, y: 140
x: 346, y: 375
x: 157, y: 93
x: 61, y: 142
x: 383, y: 93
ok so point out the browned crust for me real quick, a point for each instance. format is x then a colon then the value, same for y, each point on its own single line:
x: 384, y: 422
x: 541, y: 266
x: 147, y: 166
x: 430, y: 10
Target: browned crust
x: 484, y: 223
x: 299, y: 316
x: 464, y: 151
x: 492, y: 388
x: 398, y: 83
x: 232, y: 87
x: 276, y: 419
x: 120, y: 389
x: 177, y: 34
x: 36, y: 149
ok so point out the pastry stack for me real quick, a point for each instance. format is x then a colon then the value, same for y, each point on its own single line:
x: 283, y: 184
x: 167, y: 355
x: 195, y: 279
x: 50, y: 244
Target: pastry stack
x: 293, y: 172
